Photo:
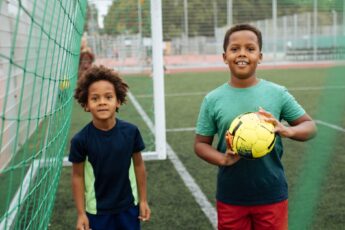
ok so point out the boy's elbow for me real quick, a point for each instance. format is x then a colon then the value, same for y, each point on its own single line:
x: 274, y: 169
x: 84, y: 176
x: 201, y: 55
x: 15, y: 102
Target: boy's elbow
x: 313, y: 132
x: 197, y: 148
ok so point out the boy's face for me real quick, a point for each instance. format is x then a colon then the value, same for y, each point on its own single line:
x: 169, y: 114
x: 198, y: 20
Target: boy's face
x: 242, y: 54
x: 85, y: 63
x: 102, y: 101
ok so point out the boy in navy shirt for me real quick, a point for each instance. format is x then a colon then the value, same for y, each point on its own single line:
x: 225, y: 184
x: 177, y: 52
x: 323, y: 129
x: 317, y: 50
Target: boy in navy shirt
x: 106, y: 155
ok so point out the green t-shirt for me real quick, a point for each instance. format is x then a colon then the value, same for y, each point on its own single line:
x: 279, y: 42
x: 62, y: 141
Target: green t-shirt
x: 248, y: 182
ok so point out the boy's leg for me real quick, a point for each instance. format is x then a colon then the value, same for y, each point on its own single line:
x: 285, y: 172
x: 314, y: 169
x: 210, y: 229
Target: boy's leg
x: 271, y: 216
x: 101, y: 222
x: 233, y: 217
x: 128, y: 219
x: 125, y: 220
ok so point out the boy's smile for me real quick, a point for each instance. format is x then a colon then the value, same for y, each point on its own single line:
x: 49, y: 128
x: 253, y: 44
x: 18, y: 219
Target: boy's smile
x: 242, y: 63
x: 242, y: 56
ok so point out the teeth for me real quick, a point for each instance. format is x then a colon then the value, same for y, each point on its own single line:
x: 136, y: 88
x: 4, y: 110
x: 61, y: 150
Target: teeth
x: 241, y: 63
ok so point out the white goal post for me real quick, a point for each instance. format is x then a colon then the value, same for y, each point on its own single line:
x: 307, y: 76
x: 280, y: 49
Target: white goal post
x: 159, y: 129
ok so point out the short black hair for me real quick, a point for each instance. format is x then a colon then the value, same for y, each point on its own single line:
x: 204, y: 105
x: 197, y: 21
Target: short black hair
x: 99, y: 73
x: 241, y: 27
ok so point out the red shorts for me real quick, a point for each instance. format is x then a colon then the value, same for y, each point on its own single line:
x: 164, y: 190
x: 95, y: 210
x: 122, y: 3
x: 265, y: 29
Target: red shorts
x: 259, y: 217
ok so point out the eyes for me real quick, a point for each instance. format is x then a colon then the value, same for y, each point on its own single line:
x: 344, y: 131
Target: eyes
x: 96, y: 98
x: 236, y: 49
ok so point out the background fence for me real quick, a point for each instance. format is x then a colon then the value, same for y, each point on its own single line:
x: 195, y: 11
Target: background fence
x: 194, y: 30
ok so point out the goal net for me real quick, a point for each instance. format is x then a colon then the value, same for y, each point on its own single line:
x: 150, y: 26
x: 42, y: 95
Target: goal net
x: 39, y: 55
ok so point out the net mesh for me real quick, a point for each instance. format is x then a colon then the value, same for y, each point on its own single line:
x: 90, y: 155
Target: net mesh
x: 39, y: 55
x: 193, y: 32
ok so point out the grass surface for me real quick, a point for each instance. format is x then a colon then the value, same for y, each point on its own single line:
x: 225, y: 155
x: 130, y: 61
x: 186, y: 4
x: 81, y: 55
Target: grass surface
x: 172, y: 204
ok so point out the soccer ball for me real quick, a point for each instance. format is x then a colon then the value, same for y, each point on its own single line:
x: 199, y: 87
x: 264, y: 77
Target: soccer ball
x: 64, y: 84
x: 252, y: 137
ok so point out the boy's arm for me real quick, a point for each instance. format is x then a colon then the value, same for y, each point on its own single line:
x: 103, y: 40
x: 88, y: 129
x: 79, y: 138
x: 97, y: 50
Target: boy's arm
x: 140, y: 174
x: 203, y: 148
x: 78, y: 187
x: 301, y: 129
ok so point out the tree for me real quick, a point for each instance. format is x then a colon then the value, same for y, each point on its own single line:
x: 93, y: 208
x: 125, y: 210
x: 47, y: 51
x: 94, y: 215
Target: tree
x: 122, y: 17
x: 91, y: 18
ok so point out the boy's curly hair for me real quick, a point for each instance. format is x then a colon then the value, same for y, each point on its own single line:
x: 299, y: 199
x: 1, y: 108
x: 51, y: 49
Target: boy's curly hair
x: 99, y: 73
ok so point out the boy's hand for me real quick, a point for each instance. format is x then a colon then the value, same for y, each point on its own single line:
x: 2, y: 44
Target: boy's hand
x: 230, y: 157
x: 145, y: 212
x: 228, y: 141
x: 82, y: 222
x: 279, y: 128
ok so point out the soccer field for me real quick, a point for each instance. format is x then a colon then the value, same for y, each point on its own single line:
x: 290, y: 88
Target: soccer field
x: 315, y: 169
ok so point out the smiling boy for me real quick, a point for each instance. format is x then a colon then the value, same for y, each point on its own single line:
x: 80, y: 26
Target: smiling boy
x: 251, y: 194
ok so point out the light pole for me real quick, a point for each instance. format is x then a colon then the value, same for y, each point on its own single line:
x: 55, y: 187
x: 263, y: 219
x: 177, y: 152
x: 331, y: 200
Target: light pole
x: 215, y: 15
x: 344, y: 17
x: 229, y: 13
x: 274, y: 19
x: 315, y: 31
x: 140, y: 31
x: 186, y: 32
x: 139, y: 19
x: 335, y: 32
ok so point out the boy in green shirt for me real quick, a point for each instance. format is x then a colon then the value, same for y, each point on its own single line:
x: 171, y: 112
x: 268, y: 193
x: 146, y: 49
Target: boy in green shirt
x: 251, y: 194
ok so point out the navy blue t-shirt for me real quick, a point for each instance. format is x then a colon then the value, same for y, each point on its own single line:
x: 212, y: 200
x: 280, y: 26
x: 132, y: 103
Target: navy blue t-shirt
x: 107, y: 156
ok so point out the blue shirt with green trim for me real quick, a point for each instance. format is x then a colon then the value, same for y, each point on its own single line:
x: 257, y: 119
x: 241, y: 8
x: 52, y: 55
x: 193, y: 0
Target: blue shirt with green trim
x: 110, y: 185
x: 248, y: 182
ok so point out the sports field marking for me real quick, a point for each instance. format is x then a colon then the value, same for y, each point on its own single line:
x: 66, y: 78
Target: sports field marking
x: 316, y: 88
x: 188, y: 180
x: 329, y: 125
x: 306, y: 88
x: 173, y: 94
x: 181, y: 129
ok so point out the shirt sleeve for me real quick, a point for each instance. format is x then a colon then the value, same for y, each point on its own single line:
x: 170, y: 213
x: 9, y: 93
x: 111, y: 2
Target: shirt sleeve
x: 138, y: 142
x: 291, y: 109
x: 77, y: 151
x: 205, y: 124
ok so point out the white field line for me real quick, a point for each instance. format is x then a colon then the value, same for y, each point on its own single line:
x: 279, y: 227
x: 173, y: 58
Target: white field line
x: 329, y: 125
x: 188, y: 180
x: 173, y: 94
x: 307, y: 88
x: 181, y: 129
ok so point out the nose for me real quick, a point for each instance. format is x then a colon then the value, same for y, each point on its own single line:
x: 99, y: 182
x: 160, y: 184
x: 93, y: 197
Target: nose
x: 102, y: 100
x: 86, y: 65
x: 242, y: 52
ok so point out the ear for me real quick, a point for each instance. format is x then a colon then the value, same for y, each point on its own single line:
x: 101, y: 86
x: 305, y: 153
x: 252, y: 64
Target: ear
x: 260, y: 58
x: 118, y: 105
x: 86, y: 108
x: 224, y: 59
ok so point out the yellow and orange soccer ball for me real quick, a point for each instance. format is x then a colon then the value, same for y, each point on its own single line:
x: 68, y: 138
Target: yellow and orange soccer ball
x: 252, y: 137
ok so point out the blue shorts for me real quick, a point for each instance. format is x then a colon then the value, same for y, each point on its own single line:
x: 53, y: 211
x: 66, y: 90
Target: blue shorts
x: 125, y: 220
